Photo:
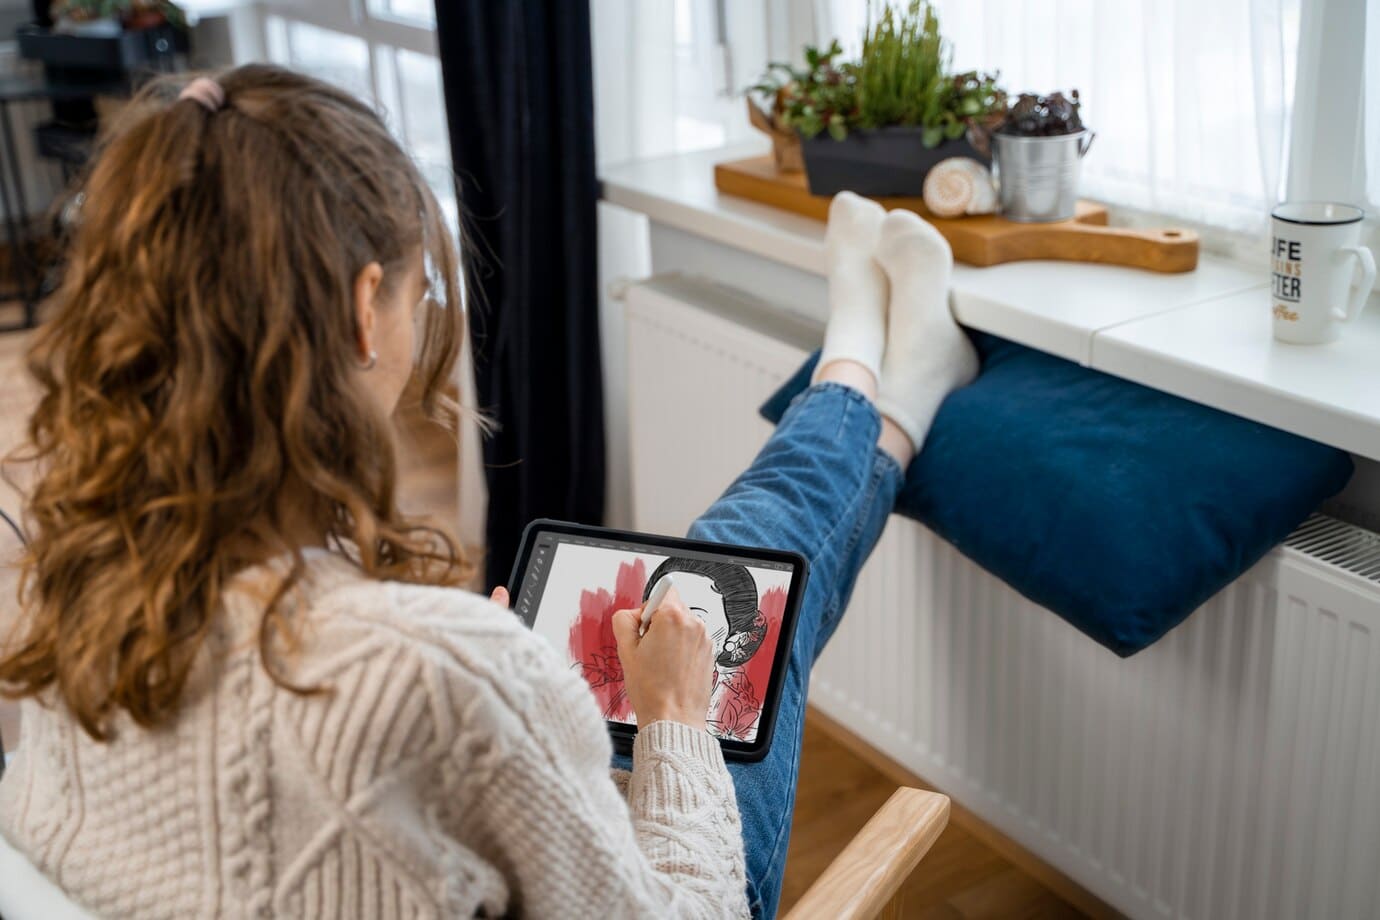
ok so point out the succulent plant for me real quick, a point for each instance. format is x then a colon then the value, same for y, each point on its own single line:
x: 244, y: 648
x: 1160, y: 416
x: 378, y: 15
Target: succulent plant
x: 1043, y: 116
x: 967, y: 103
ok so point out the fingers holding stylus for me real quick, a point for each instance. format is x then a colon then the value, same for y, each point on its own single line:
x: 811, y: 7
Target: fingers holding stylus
x: 668, y: 669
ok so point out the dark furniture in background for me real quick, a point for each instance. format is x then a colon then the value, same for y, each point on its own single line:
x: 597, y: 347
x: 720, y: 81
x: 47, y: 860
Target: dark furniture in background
x: 520, y: 102
x: 76, y: 70
x: 24, y: 266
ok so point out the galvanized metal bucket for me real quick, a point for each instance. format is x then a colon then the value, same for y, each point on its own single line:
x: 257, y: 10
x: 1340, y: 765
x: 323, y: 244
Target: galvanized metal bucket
x: 1038, y: 176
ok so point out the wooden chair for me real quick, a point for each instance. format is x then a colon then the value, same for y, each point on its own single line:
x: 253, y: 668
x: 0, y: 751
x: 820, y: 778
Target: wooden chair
x: 27, y: 894
x: 865, y: 880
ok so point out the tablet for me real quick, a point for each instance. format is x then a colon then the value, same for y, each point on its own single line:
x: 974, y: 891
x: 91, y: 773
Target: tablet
x: 569, y: 579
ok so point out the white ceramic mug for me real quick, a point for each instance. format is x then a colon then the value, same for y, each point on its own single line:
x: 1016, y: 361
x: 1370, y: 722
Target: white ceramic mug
x: 1314, y: 255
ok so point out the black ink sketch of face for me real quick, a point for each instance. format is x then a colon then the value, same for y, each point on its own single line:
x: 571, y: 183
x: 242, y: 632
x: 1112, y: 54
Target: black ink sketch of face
x: 724, y: 595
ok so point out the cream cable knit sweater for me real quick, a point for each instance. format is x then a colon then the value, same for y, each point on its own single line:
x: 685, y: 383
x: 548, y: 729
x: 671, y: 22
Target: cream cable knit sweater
x: 454, y: 768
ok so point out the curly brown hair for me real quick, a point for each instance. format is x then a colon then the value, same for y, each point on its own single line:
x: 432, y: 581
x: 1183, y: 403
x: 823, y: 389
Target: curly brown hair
x: 198, y: 377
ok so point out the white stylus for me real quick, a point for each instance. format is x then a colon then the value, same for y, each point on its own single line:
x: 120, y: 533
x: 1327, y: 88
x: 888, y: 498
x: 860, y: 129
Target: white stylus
x: 662, y: 588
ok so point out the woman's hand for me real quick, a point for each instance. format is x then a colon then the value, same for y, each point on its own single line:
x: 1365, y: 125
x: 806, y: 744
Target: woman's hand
x: 500, y: 596
x: 669, y: 671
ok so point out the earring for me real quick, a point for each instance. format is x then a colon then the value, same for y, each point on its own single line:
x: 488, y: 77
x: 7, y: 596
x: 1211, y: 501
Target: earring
x: 373, y: 359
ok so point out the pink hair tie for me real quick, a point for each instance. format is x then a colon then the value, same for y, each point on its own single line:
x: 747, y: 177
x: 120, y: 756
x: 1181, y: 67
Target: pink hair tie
x: 205, y: 91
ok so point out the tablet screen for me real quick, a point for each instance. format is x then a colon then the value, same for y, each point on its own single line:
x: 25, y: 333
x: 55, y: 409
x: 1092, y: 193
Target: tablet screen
x: 573, y: 584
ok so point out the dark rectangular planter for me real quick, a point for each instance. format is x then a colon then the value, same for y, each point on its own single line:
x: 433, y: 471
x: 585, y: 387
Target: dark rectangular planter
x: 884, y: 161
x: 131, y: 50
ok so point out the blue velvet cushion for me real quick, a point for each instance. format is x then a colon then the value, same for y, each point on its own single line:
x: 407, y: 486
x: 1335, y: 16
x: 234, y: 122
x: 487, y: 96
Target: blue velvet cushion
x: 1120, y: 508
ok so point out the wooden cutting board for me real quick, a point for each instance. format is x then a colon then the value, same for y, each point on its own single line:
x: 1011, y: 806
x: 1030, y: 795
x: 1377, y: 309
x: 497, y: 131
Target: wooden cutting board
x: 985, y: 239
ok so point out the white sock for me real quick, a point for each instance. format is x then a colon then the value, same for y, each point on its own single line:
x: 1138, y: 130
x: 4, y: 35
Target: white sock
x: 927, y: 355
x: 857, y: 286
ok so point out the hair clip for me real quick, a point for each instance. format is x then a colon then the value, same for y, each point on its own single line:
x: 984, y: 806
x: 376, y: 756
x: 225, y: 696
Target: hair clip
x: 205, y: 91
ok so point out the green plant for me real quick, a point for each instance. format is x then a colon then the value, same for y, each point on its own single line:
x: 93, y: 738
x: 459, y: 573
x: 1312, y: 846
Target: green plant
x: 970, y: 103
x: 818, y: 97
x: 902, y: 78
x: 903, y: 59
x: 86, y: 10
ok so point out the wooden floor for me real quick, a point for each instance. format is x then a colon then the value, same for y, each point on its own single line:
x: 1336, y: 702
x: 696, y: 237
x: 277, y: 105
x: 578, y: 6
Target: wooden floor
x: 962, y: 877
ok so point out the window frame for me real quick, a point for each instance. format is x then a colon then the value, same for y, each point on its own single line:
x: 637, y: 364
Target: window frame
x: 352, y: 17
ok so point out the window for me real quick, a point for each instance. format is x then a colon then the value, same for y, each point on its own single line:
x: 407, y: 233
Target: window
x: 420, y: 12
x: 669, y: 74
x: 409, y: 90
x: 335, y: 57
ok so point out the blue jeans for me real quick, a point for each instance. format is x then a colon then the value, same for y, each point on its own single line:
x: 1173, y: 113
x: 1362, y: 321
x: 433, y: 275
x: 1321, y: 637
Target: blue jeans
x: 819, y: 487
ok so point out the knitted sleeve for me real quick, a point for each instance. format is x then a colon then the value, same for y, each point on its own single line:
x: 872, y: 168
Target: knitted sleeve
x: 530, y: 789
x: 684, y: 810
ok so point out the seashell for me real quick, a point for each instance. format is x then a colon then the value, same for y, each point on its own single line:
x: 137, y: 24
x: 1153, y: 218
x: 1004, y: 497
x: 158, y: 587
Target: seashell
x: 959, y: 186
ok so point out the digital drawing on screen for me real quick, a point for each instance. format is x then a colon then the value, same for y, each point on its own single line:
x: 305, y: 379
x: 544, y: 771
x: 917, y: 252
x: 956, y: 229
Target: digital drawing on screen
x: 741, y: 606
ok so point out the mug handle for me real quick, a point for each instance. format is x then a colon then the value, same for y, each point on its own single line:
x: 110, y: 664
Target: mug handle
x: 1358, y: 296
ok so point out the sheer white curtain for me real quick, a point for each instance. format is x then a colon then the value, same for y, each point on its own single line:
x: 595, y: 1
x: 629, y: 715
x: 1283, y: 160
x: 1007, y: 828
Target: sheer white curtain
x: 1190, y: 99
x: 668, y: 74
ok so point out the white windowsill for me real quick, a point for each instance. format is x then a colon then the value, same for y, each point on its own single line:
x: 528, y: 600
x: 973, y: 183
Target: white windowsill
x: 1203, y: 335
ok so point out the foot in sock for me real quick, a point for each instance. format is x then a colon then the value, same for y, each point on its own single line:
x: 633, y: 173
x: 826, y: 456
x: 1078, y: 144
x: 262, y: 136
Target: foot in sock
x: 927, y: 355
x: 857, y: 286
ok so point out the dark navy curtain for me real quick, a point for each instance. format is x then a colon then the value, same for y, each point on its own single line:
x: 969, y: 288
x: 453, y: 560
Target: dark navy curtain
x: 520, y: 103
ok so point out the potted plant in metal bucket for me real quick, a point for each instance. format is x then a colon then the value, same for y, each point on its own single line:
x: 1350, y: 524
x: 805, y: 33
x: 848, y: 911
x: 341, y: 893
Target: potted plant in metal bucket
x: 878, y: 125
x: 1040, y: 148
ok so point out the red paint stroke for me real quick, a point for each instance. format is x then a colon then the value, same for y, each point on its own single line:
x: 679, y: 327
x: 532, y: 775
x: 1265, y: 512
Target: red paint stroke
x: 593, y: 647
x: 736, y: 705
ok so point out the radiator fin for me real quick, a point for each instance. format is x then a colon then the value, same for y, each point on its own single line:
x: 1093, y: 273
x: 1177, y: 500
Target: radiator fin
x: 1348, y: 547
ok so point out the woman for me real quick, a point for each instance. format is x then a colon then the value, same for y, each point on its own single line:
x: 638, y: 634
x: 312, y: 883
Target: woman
x: 250, y: 687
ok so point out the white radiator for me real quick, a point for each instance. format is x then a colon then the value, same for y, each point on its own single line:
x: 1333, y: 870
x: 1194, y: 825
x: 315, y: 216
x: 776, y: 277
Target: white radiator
x: 1232, y: 770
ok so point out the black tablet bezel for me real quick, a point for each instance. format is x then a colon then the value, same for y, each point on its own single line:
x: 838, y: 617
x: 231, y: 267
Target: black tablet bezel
x: 622, y: 734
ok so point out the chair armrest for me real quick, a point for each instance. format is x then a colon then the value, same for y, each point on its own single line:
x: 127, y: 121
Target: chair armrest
x: 29, y: 894
x: 869, y: 872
